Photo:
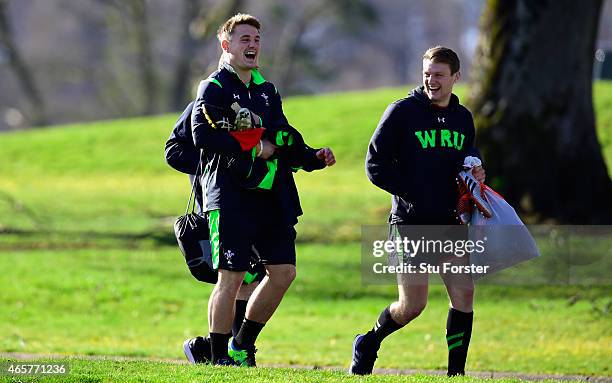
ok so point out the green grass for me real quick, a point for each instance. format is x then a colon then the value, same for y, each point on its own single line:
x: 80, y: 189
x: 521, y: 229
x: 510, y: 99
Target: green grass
x: 603, y: 116
x: 91, y: 266
x: 111, y: 177
x: 143, y: 371
x: 144, y: 303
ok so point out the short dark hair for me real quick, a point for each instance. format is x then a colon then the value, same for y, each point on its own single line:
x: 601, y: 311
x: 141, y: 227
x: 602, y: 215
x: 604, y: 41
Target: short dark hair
x: 227, y: 29
x: 440, y: 54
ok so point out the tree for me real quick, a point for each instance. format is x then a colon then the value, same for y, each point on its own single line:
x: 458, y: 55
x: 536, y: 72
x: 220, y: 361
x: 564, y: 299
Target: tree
x: 139, y: 15
x: 197, y: 28
x: 112, y: 95
x: 136, y: 15
x: 22, y: 71
x: 290, y: 51
x: 532, y: 100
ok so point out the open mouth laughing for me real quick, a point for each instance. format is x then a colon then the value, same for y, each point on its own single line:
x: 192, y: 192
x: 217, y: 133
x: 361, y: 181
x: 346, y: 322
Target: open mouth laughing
x: 250, y: 54
x: 433, y: 89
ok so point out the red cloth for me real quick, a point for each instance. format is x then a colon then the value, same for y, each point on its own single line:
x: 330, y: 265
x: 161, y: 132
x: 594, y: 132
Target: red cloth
x: 248, y: 138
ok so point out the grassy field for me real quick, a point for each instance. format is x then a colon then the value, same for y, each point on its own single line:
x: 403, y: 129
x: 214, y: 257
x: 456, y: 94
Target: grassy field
x: 143, y: 303
x: 91, y: 266
x: 72, y: 183
x: 143, y: 371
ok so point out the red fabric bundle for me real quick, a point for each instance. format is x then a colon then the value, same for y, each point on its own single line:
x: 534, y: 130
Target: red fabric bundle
x: 248, y: 138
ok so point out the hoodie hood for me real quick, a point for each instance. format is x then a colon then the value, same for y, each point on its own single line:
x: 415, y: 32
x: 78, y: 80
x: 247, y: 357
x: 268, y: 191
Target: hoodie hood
x: 420, y: 95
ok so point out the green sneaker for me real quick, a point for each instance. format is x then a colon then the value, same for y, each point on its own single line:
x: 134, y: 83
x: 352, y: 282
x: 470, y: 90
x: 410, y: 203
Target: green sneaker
x: 243, y: 357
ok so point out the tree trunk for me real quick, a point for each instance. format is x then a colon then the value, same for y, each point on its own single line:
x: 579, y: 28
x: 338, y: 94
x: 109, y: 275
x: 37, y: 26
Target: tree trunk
x: 197, y: 28
x: 186, y: 52
x: 36, y: 111
x: 287, y: 48
x: 148, y: 78
x: 532, y: 100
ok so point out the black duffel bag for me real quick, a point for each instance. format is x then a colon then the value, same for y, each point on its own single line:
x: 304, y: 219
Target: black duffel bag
x: 191, y: 231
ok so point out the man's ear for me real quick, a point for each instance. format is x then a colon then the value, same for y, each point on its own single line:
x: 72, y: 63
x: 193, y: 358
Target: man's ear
x: 457, y: 75
x: 225, y: 45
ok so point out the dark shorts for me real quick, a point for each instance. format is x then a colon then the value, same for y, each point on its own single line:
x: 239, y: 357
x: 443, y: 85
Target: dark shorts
x: 201, y: 267
x: 239, y: 238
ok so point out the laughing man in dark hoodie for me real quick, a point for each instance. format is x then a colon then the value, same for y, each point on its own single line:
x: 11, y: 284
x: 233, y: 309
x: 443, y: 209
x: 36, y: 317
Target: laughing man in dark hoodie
x: 415, y: 154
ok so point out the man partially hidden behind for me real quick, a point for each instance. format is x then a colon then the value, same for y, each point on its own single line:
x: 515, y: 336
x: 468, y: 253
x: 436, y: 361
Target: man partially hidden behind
x: 415, y: 154
x: 248, y: 212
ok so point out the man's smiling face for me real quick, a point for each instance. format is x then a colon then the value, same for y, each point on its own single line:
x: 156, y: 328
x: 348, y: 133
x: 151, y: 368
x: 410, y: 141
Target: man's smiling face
x: 243, y: 47
x: 438, y: 82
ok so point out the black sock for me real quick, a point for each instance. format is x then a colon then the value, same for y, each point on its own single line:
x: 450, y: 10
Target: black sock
x: 458, y: 334
x: 218, y: 345
x: 239, y: 316
x: 248, y: 333
x: 385, y: 325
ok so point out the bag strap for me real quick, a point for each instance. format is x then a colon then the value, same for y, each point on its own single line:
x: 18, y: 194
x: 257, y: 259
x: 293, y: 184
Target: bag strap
x: 192, y: 195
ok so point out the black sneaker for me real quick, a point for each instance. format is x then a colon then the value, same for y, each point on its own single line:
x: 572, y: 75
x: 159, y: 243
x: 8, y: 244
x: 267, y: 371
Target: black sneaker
x: 197, y: 350
x: 242, y: 357
x: 364, y: 355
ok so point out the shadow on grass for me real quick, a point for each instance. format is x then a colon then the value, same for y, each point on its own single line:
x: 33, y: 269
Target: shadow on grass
x: 21, y: 239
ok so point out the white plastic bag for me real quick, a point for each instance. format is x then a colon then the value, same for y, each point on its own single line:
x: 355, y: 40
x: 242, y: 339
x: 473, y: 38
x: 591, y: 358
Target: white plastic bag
x: 506, y: 239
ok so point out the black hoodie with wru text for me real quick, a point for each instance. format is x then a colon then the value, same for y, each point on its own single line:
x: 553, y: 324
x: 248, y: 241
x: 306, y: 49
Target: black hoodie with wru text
x: 415, y: 154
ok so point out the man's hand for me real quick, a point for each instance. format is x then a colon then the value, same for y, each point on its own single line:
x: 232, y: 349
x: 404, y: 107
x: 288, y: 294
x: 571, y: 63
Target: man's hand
x: 267, y: 149
x: 327, y: 156
x: 479, y: 173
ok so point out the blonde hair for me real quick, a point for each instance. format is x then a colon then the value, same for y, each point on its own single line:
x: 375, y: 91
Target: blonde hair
x: 227, y: 29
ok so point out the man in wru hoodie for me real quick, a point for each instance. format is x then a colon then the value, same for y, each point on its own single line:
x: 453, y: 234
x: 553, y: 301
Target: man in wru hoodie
x: 415, y: 154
